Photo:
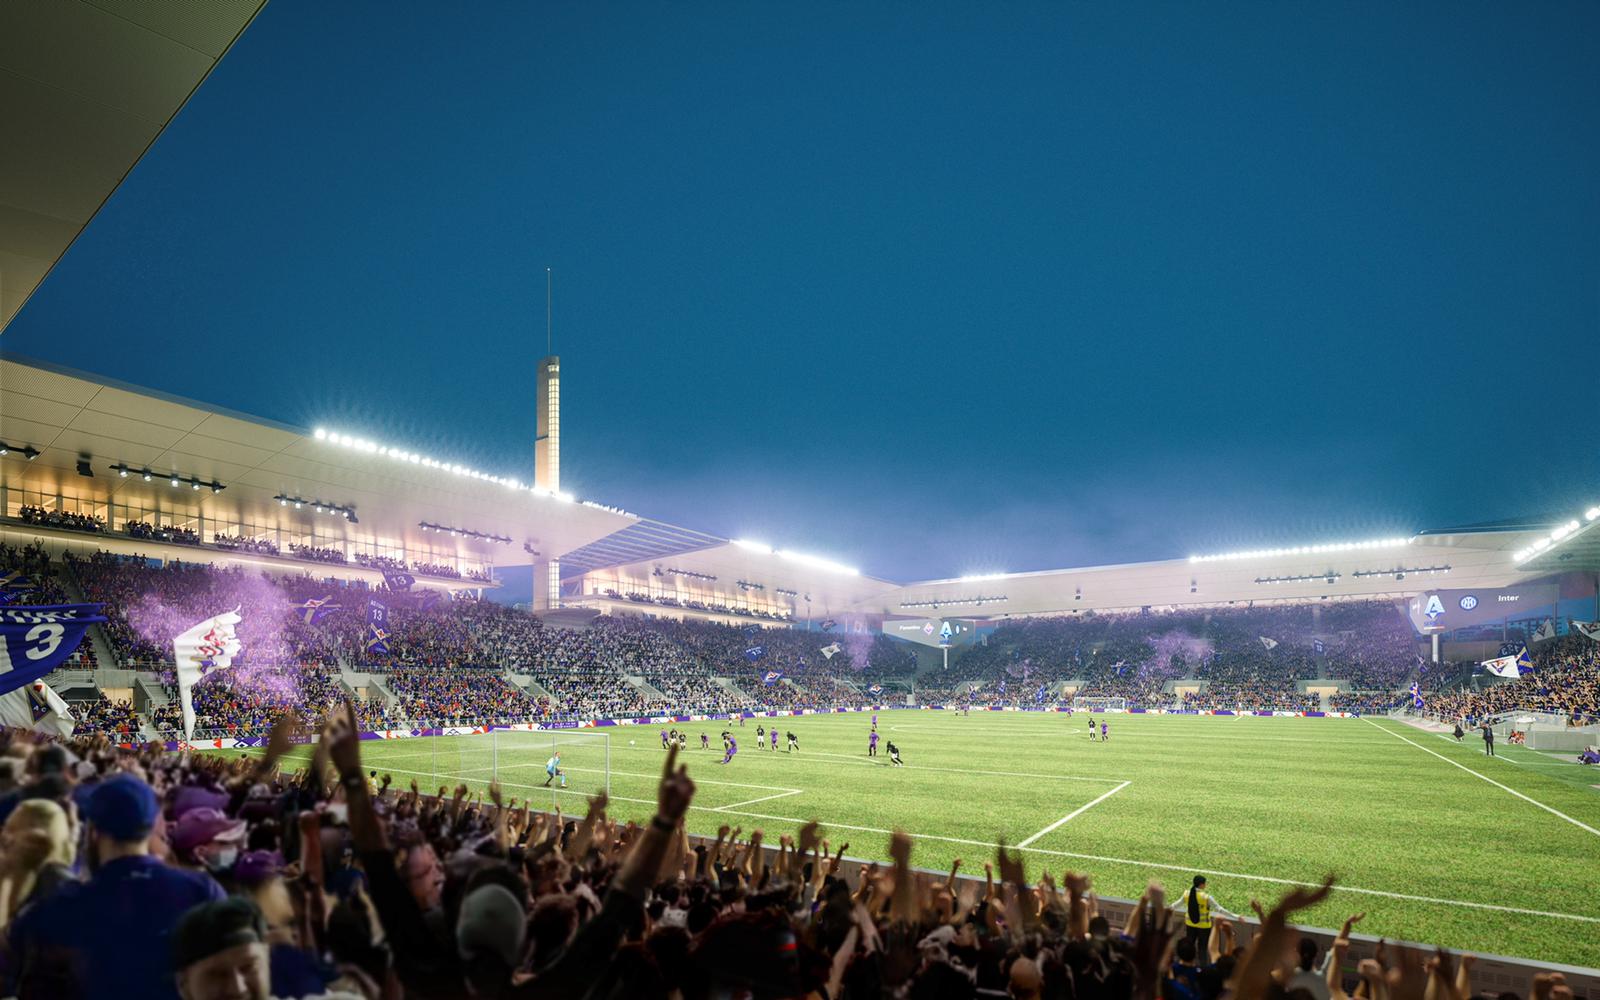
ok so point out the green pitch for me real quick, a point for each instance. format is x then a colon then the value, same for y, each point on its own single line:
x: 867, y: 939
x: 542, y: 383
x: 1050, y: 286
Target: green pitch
x: 1434, y: 841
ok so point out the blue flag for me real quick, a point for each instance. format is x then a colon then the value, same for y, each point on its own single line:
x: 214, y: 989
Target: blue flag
x: 755, y: 653
x: 750, y: 632
x: 772, y: 677
x: 1038, y: 695
x: 10, y: 597
x: 1524, y: 661
x: 14, y: 580
x: 1317, y: 647
x: 426, y: 599
x: 828, y: 624
x: 875, y: 689
x: 35, y: 640
x: 316, y: 608
x: 397, y: 581
x: 1416, y: 696
x: 377, y: 628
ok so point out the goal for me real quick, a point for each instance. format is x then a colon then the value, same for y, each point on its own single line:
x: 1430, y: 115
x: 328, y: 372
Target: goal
x: 519, y: 760
x: 1099, y: 704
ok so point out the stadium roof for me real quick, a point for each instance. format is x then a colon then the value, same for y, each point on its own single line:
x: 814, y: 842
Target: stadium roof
x: 88, y: 86
x: 647, y: 539
x: 69, y: 417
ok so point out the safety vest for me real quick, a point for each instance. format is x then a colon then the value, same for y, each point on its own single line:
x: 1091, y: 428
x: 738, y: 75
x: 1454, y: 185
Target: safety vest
x: 1204, y: 904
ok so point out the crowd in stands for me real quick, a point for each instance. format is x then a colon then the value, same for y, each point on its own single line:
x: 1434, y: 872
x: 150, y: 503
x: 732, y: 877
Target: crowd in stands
x: 246, y: 700
x: 70, y: 520
x: 156, y: 533
x: 437, y: 569
x: 696, y: 605
x: 454, y: 695
x: 206, y: 878
x: 260, y: 546
x: 380, y: 562
x: 1565, y: 681
x: 312, y: 553
x: 99, y: 714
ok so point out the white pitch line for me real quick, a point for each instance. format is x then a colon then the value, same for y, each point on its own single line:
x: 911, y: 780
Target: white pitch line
x: 1187, y: 869
x: 751, y: 802
x: 1074, y: 814
x: 1484, y: 777
x: 640, y: 774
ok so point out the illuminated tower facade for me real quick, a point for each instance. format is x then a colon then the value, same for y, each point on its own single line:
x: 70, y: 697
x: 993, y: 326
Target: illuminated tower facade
x: 547, y: 426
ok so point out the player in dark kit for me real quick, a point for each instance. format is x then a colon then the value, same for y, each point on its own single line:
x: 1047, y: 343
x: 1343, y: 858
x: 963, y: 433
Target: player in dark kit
x: 794, y: 744
x: 894, y: 755
x: 1091, y: 728
x: 761, y: 737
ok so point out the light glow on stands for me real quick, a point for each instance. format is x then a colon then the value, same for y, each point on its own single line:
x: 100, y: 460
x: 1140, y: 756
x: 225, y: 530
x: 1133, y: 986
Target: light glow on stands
x: 979, y: 577
x: 761, y: 547
x: 1559, y: 534
x: 454, y: 468
x: 1400, y: 571
x: 1304, y: 550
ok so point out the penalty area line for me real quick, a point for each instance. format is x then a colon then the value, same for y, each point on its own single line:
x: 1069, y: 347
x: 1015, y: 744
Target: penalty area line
x: 751, y: 802
x: 1074, y: 814
x: 1484, y: 777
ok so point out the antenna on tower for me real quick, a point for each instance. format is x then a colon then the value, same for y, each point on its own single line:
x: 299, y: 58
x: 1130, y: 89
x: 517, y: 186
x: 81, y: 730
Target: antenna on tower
x: 548, y: 287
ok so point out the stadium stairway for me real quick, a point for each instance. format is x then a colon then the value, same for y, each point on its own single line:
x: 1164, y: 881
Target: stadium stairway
x: 645, y: 687
x: 95, y: 635
x: 355, y: 680
x: 526, y: 684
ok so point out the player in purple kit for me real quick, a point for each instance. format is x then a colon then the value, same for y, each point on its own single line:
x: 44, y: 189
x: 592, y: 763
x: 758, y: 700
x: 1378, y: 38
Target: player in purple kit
x: 663, y: 739
x: 705, y: 742
x: 732, y: 748
x: 1103, y: 734
x: 874, y: 721
x: 872, y: 744
x: 774, y: 735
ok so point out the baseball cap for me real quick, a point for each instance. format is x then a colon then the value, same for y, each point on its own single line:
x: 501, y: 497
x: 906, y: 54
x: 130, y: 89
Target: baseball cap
x: 491, y: 924
x: 191, y: 797
x: 257, y: 867
x: 122, y: 808
x: 201, y: 826
x: 216, y: 926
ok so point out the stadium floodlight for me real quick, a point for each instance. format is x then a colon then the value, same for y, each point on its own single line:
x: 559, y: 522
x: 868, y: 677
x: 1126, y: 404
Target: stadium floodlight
x: 980, y: 577
x: 1304, y: 550
x: 753, y: 546
x: 1557, y: 535
x: 321, y: 434
x: 818, y: 562
x: 1591, y: 514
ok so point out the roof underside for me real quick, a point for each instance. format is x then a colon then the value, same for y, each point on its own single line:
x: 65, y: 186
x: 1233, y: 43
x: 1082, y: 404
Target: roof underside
x: 86, y: 86
x: 637, y: 542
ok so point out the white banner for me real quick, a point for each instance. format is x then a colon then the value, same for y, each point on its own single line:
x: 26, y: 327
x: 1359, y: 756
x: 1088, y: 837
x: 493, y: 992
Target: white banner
x: 1588, y: 629
x: 210, y: 645
x: 1502, y: 666
x: 1545, y: 631
x: 1268, y: 643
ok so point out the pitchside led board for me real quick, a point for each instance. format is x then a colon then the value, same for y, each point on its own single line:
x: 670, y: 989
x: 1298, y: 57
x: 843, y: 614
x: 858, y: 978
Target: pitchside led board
x: 940, y: 632
x: 1443, y: 610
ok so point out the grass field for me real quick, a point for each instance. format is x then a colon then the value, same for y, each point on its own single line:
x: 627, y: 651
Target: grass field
x: 1433, y: 840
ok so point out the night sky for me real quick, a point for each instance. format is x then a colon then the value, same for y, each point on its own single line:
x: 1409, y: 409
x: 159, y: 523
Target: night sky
x: 929, y: 289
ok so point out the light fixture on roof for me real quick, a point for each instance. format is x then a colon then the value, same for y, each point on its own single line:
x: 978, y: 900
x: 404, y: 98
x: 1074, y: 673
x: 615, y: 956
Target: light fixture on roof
x: 1560, y: 533
x: 27, y: 451
x: 1305, y: 550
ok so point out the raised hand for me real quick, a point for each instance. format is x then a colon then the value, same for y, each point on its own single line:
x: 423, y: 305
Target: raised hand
x: 676, y: 790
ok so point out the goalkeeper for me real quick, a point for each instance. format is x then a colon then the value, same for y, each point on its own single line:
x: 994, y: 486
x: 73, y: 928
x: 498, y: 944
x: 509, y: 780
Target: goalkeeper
x: 552, y: 770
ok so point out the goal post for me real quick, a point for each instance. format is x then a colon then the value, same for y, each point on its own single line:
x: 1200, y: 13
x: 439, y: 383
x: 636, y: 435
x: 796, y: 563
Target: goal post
x: 520, y: 757
x: 1099, y: 704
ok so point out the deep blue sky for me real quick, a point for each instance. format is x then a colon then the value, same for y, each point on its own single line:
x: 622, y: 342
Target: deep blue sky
x: 930, y: 289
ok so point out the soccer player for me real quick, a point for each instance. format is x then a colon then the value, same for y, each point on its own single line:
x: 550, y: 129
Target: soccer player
x: 874, y: 721
x: 1104, y: 735
x: 1091, y: 728
x: 741, y: 720
x: 894, y: 755
x: 732, y: 748
x: 774, y: 735
x: 794, y: 744
x: 663, y: 739
x: 552, y: 771
x: 872, y: 744
x: 1488, y: 739
x: 705, y: 742
x: 761, y: 738
x: 1459, y: 732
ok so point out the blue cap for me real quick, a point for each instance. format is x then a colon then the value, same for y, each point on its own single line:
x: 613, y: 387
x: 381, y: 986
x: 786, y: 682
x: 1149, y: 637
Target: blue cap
x: 122, y: 808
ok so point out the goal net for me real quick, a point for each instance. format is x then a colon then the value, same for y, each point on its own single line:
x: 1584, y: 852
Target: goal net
x: 1099, y: 704
x: 519, y: 760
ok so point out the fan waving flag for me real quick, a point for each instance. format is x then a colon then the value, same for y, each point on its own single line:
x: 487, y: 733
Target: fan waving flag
x: 828, y: 624
x: 377, y: 628
x: 1268, y: 644
x: 36, y: 706
x: 1589, y: 630
x: 35, y: 640
x: 397, y: 581
x: 875, y: 689
x: 830, y: 649
x: 1547, y: 630
x: 1416, y: 696
x: 316, y: 608
x: 1505, y: 666
x: 210, y: 645
x: 772, y: 677
x: 755, y: 653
